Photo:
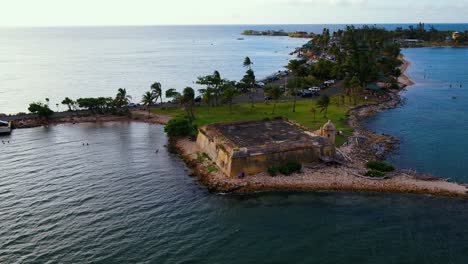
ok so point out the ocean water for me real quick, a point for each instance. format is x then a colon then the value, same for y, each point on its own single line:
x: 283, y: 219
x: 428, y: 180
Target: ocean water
x: 39, y: 63
x: 433, y: 122
x: 36, y: 63
x: 118, y: 201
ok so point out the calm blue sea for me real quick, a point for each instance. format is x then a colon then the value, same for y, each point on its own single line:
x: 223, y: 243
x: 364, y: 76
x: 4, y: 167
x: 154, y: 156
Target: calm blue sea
x: 38, y: 63
x: 433, y: 122
x: 118, y: 201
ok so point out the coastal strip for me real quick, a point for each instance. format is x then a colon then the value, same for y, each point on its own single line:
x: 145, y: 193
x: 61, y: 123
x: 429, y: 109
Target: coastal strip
x: 347, y: 177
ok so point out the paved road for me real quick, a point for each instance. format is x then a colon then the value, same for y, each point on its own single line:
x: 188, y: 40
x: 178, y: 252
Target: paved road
x: 259, y: 95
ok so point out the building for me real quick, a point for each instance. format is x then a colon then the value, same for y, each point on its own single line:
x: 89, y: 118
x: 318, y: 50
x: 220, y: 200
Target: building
x: 251, y: 147
x: 455, y: 35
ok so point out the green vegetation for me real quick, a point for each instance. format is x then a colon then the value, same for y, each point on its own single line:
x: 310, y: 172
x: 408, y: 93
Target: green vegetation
x: 274, y: 92
x: 378, y: 169
x: 243, y: 112
x: 380, y: 166
x: 212, y: 168
x: 201, y: 157
x: 374, y: 173
x: 156, y: 90
x: 287, y: 168
x: 41, y: 109
x: 429, y: 34
x: 69, y: 103
x: 147, y: 100
x: 323, y: 103
x: 180, y: 127
x: 99, y: 105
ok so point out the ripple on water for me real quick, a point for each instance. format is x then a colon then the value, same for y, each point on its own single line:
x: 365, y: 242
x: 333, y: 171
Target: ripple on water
x: 117, y: 202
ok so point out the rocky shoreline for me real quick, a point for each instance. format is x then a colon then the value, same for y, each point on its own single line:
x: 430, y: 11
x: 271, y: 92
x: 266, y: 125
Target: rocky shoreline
x: 348, y: 177
x: 363, y: 146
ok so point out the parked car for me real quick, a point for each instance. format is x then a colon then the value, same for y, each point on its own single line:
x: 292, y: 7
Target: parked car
x: 283, y: 73
x: 315, y: 89
x: 306, y: 93
x: 132, y: 105
x: 260, y: 84
x: 198, y: 99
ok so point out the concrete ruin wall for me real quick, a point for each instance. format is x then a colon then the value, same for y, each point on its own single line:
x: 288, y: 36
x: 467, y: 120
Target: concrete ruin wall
x: 216, y: 151
x: 257, y: 163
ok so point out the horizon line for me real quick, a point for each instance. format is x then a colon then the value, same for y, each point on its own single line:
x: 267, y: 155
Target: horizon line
x: 241, y: 24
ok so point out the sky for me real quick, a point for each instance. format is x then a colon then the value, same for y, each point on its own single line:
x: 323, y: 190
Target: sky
x: 186, y: 12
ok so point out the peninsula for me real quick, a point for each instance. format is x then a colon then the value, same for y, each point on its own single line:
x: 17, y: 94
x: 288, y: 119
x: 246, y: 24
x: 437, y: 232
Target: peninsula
x: 303, y: 133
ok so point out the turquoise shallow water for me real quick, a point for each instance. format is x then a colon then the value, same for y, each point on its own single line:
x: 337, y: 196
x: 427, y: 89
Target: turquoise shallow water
x: 117, y: 201
x: 433, y: 122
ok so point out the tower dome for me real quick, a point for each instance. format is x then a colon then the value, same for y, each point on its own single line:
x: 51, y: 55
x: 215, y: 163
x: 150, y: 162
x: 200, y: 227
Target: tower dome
x: 329, y: 131
x: 329, y: 126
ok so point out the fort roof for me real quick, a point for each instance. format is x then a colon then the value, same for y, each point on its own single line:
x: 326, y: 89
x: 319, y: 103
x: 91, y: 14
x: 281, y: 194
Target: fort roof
x: 265, y: 135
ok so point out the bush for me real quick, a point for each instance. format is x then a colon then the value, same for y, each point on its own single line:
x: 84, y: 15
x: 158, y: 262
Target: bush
x: 379, y: 166
x: 42, y: 110
x: 180, y: 127
x: 287, y: 168
x: 374, y: 173
x: 273, y: 170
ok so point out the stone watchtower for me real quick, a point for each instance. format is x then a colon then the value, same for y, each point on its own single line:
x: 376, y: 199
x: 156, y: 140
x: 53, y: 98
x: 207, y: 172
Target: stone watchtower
x: 328, y: 131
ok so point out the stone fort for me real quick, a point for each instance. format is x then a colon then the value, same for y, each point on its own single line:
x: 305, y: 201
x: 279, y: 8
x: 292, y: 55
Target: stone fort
x: 251, y: 147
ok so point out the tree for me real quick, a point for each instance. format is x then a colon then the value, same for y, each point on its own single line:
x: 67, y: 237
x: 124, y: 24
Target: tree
x: 42, y: 110
x: 313, y: 111
x: 247, y: 63
x: 298, y: 69
x: 249, y: 80
x: 180, y: 127
x: 214, y: 84
x: 122, y: 98
x: 323, y: 103
x: 96, y: 105
x: 229, y: 92
x: 172, y: 93
x: 207, y: 95
x: 274, y: 92
x: 69, y: 103
x: 188, y: 99
x: 324, y: 69
x: 156, y: 88
x: 147, y: 100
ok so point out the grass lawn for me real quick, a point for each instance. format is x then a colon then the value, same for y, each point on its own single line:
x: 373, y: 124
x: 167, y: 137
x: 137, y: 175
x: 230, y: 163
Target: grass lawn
x: 243, y: 112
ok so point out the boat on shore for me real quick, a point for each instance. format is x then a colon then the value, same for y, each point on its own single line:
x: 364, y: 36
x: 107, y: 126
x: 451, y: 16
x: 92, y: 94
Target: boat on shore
x: 5, y: 127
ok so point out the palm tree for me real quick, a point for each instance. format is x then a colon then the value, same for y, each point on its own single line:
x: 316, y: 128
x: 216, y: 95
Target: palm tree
x: 274, y: 92
x: 147, y: 101
x: 247, y: 63
x: 156, y: 88
x: 172, y: 93
x: 249, y: 79
x: 297, y: 68
x: 313, y: 111
x: 323, y: 103
x: 69, y: 102
x: 229, y: 92
x: 188, y: 99
x: 122, y: 98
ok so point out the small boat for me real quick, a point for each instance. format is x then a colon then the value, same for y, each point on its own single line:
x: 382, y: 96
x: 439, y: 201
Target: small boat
x: 5, y: 127
x: 240, y: 39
